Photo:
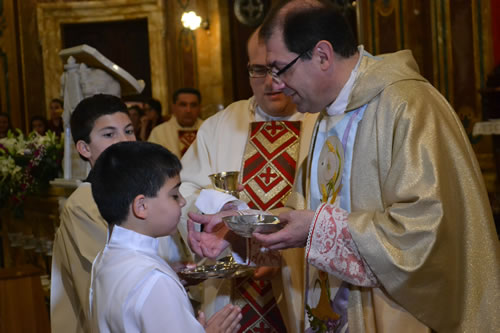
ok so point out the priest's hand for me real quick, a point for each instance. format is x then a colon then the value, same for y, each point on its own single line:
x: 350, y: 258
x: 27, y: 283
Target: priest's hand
x: 294, y: 234
x: 215, y: 236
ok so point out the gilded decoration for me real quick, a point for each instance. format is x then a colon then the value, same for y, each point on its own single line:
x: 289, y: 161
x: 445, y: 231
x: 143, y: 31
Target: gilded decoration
x: 52, y: 15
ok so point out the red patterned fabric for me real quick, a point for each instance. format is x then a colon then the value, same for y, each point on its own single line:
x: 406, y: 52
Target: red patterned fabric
x: 269, y: 165
x: 330, y: 248
x: 186, y: 138
x: 270, y: 161
x: 258, y: 306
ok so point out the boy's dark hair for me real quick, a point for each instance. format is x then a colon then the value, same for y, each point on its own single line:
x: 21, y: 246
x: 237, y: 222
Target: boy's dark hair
x: 89, y: 110
x: 304, y: 26
x: 127, y: 169
x: 186, y: 91
x: 155, y: 105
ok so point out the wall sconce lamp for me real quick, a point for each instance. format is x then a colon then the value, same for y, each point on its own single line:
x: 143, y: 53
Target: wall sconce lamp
x: 192, y: 21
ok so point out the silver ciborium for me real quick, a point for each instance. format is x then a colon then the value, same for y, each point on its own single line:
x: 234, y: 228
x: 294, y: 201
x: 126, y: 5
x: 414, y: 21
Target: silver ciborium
x: 226, y: 182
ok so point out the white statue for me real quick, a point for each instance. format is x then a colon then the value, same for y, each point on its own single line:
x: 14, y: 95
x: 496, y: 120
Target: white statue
x: 80, y: 81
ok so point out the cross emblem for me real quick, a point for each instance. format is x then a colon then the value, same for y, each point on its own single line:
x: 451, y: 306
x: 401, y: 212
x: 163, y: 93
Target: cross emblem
x: 268, y: 175
x: 273, y: 128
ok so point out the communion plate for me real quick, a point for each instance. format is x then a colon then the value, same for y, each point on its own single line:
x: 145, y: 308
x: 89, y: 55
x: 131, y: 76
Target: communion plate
x: 224, y: 268
x: 246, y: 225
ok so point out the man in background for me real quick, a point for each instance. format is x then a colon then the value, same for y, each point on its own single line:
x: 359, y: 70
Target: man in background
x: 179, y: 132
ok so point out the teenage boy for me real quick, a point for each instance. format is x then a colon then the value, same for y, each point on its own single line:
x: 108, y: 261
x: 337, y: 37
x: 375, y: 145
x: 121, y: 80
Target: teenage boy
x: 96, y: 123
x: 136, y: 188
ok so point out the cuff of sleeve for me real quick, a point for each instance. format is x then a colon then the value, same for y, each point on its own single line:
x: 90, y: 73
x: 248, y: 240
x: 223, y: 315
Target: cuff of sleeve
x: 330, y: 248
x: 312, y: 228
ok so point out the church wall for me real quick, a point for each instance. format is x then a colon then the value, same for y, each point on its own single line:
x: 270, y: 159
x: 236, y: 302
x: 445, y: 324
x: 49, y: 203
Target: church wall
x: 11, y: 91
x: 30, y: 70
x: 31, y: 61
x: 451, y: 40
x: 202, y: 57
x: 453, y: 45
x: 495, y: 27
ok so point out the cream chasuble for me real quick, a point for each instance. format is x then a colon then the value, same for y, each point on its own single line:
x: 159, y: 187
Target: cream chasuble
x: 174, y: 137
x: 220, y: 146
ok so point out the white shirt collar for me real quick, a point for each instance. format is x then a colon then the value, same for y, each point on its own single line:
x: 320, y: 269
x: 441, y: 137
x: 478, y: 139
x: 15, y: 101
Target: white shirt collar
x: 260, y: 115
x: 126, y: 238
x: 340, y: 104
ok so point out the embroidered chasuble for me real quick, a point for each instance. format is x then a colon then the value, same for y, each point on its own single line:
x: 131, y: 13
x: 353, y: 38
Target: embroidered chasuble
x: 269, y: 164
x: 186, y: 138
x: 327, y: 296
x: 270, y: 161
x: 174, y: 137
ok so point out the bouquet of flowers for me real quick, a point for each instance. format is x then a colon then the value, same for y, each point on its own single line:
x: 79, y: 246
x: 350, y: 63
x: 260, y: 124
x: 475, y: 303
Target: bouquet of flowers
x: 27, y: 164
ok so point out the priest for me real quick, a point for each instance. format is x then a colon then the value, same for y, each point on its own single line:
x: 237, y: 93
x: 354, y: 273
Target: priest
x: 266, y: 139
x: 398, y: 232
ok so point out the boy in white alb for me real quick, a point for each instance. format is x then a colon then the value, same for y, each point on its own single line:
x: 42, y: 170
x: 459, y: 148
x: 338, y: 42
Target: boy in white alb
x: 136, y: 188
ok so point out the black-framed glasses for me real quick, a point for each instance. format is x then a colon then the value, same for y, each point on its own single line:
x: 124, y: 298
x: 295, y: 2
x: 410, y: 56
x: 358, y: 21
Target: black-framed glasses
x: 257, y: 71
x: 276, y: 75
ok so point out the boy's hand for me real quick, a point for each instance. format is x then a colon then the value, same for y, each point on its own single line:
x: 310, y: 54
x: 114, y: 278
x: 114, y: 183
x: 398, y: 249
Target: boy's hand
x: 215, y: 237
x: 225, y: 321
